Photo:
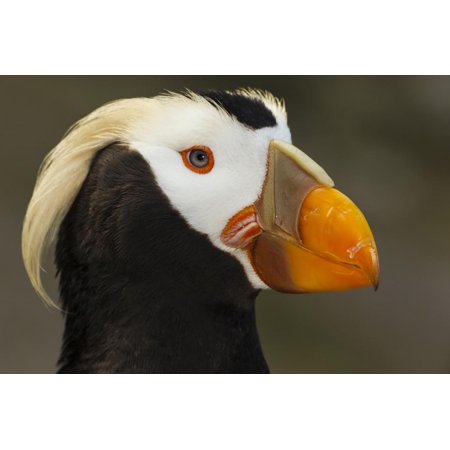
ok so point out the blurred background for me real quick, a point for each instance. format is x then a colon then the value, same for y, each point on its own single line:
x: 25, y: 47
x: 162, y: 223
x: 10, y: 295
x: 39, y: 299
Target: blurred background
x: 386, y: 143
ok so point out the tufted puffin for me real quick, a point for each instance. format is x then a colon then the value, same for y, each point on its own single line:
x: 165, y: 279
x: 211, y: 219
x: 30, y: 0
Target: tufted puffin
x: 169, y: 215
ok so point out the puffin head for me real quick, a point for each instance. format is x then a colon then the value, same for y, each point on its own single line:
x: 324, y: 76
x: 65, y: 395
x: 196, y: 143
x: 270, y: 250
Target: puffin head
x: 226, y: 164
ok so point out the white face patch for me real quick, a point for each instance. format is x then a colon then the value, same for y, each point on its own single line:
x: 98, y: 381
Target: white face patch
x: 207, y: 201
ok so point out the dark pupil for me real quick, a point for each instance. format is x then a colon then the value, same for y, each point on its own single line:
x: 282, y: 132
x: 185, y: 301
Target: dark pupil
x: 198, y: 158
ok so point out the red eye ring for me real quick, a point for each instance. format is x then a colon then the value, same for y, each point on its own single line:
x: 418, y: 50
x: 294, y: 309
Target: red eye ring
x: 199, y: 159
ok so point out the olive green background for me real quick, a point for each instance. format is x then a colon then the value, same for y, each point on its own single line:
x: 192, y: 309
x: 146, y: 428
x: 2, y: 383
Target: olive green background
x: 384, y: 140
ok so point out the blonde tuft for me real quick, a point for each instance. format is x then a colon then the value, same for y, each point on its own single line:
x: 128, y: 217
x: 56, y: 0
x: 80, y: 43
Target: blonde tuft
x: 275, y: 103
x: 64, y: 170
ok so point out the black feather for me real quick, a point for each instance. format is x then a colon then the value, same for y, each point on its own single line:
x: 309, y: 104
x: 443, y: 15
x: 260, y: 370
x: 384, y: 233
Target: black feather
x: 250, y: 111
x: 142, y: 291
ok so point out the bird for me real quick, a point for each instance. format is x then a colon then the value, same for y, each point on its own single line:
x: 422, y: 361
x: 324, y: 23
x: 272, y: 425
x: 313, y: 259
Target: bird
x: 169, y: 214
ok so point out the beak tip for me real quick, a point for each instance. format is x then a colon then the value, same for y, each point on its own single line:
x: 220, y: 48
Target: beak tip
x: 376, y: 278
x: 368, y: 263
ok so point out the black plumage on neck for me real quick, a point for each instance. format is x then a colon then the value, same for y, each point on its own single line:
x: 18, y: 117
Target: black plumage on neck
x: 142, y: 292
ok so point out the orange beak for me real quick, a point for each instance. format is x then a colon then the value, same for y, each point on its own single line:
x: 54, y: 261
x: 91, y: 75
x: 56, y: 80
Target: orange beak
x: 302, y: 235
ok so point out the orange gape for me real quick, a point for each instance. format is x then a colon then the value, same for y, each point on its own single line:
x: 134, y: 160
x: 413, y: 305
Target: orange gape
x: 241, y: 229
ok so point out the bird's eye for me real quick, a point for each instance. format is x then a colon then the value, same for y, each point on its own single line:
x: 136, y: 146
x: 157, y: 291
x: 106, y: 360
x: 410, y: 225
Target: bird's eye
x: 199, y: 159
